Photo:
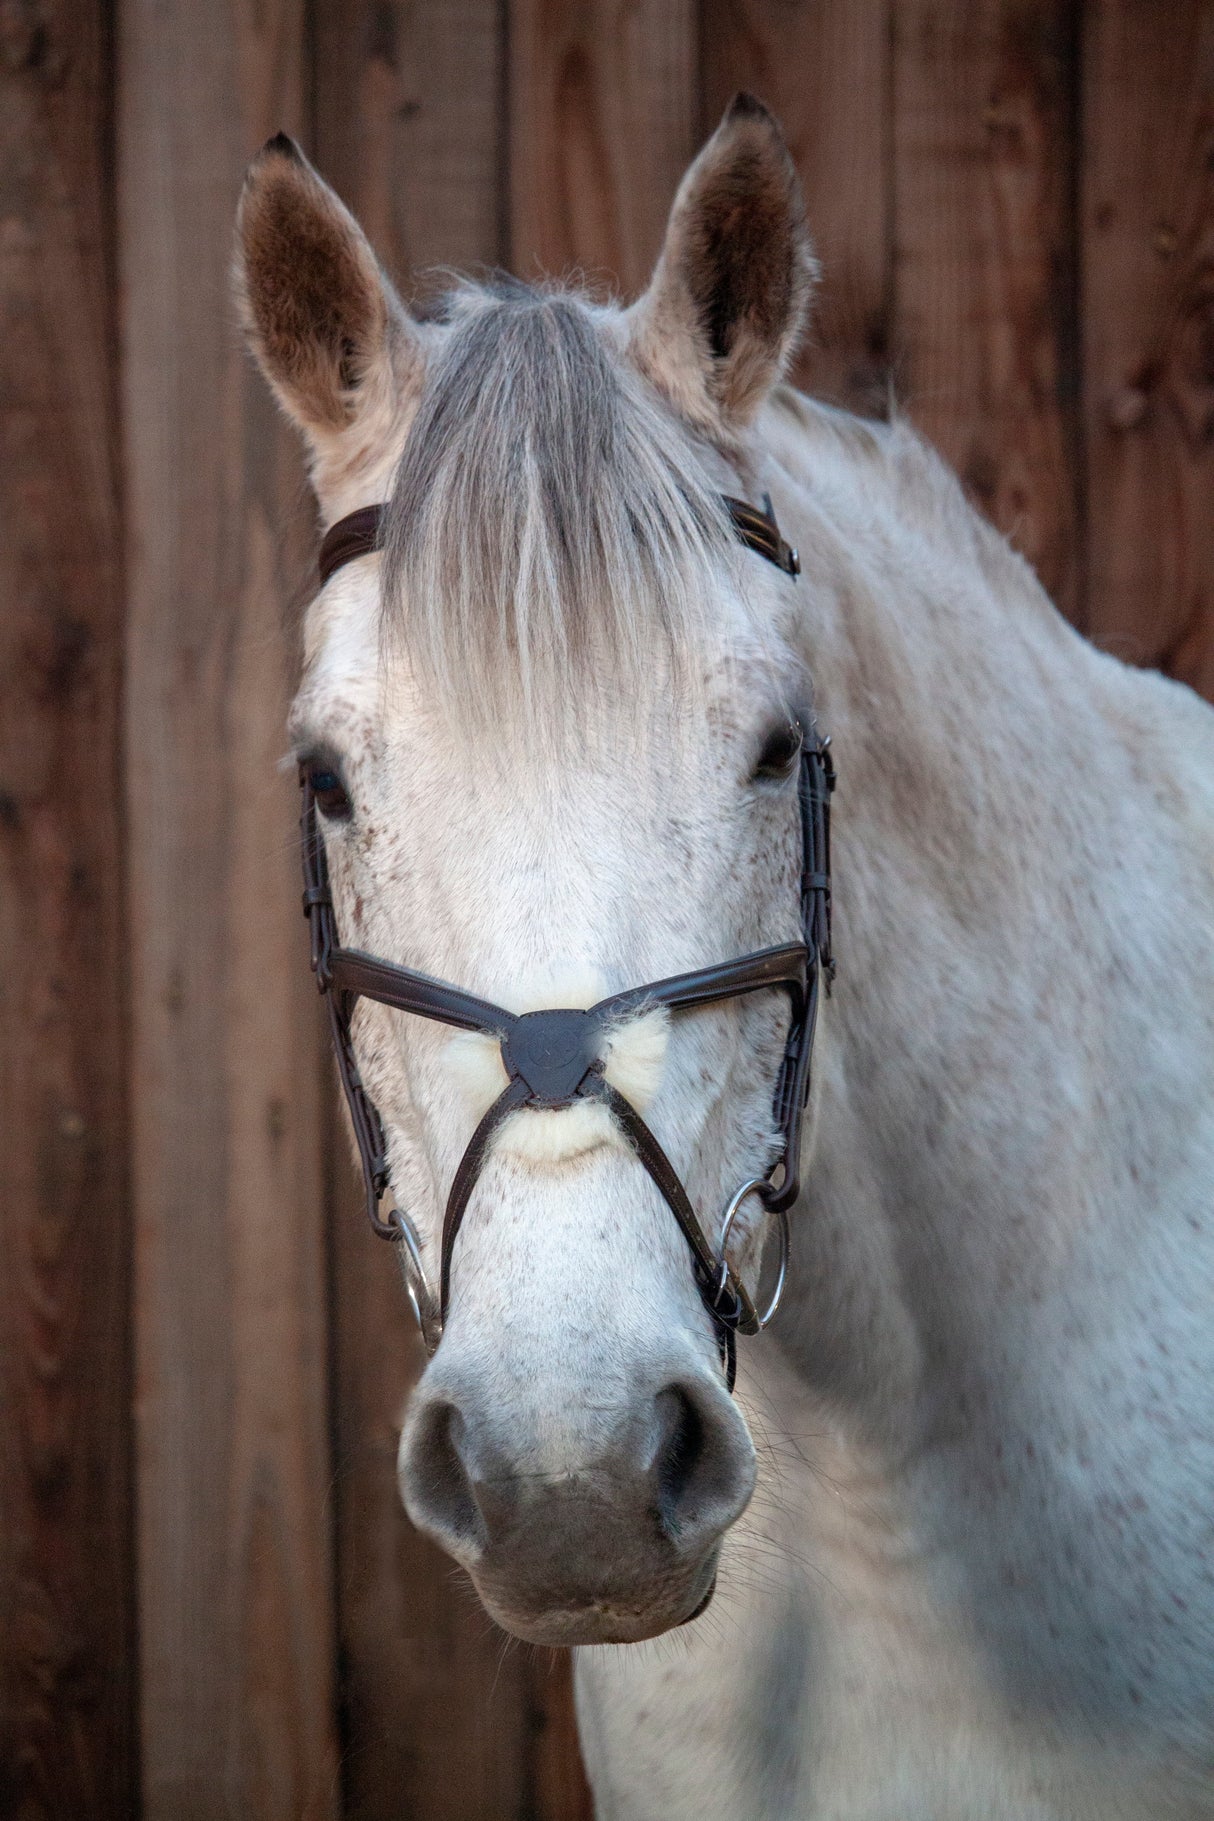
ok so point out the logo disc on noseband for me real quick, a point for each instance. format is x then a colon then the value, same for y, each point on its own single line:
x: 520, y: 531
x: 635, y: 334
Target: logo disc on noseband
x: 553, y: 1052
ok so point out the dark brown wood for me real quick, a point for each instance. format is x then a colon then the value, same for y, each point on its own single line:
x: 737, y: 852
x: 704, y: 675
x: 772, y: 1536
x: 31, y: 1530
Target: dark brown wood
x: 237, y: 1642
x: 986, y: 330
x: 824, y: 70
x: 603, y: 119
x: 410, y: 126
x: 444, y: 1716
x: 1148, y: 287
x: 67, y: 1661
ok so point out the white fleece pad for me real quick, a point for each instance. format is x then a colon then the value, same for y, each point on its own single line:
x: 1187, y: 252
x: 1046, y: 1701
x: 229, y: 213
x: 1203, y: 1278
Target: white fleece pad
x: 634, y: 1052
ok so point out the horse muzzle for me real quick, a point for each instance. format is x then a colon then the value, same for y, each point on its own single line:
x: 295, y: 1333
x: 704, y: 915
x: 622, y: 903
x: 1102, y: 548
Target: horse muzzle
x: 589, y: 1526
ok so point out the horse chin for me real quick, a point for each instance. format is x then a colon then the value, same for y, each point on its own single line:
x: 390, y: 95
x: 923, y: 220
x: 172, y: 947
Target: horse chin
x: 606, y: 1620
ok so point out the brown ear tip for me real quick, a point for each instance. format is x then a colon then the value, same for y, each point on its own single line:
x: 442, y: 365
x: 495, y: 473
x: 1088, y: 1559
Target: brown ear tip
x: 281, y: 145
x: 746, y: 106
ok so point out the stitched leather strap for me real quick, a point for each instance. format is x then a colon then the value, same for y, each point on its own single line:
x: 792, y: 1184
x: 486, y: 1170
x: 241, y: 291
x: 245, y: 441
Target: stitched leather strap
x: 358, y: 535
x: 785, y: 966
x: 759, y: 531
x: 352, y: 971
x: 355, y: 535
x: 734, y: 1307
x: 514, y: 1095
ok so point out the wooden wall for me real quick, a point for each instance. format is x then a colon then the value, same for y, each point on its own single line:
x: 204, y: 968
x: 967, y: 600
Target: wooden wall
x: 211, y: 1604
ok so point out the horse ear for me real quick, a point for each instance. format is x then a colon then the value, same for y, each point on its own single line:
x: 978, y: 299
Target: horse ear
x: 324, y: 323
x: 728, y: 299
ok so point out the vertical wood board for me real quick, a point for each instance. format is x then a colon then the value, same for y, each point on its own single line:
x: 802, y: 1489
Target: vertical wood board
x: 1148, y: 289
x: 604, y: 111
x: 986, y: 328
x: 824, y: 72
x: 67, y: 1668
x: 234, y: 1538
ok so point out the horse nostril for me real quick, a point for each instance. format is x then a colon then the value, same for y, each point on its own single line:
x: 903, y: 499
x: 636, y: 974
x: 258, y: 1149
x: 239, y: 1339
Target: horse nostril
x: 440, y: 1496
x: 679, y: 1452
x: 703, y: 1466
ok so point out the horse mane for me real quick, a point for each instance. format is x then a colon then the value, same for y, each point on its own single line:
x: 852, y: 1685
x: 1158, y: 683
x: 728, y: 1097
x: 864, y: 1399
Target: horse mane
x: 547, y: 519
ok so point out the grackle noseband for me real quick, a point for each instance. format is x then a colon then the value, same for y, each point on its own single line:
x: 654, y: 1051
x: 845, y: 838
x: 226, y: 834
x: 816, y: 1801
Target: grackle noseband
x: 553, y: 1058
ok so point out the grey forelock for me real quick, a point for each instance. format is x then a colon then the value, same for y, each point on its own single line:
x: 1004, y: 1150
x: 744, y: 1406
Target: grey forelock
x: 547, y: 516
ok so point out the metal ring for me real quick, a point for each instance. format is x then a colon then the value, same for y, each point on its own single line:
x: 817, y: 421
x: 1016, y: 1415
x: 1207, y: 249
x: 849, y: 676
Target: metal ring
x: 754, y: 1185
x: 417, y: 1286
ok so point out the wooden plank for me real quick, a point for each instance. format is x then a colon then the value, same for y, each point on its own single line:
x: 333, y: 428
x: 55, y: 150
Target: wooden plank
x: 67, y: 1716
x: 986, y: 314
x: 236, y: 1637
x: 443, y: 1716
x: 1148, y: 259
x: 604, y: 115
x: 824, y: 70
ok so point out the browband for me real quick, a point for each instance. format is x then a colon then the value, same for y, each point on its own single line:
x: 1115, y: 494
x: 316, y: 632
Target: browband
x: 358, y: 535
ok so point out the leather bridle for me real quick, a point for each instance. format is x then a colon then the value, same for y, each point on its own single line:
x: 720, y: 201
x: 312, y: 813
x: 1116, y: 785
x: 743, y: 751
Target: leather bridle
x: 554, y: 1058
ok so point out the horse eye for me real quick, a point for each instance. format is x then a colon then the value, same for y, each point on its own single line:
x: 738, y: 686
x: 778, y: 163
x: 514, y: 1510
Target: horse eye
x: 781, y: 750
x: 329, y: 791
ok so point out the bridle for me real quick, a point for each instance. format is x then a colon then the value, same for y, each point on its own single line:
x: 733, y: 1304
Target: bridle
x: 554, y: 1058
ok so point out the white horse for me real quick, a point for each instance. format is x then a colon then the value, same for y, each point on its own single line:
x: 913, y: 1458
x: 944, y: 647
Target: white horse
x: 548, y: 725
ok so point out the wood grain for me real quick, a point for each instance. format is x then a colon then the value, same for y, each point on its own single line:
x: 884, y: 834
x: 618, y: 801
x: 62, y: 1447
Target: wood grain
x: 1148, y: 285
x: 237, y: 1644
x: 604, y: 112
x: 67, y: 1721
x: 986, y: 327
x: 824, y: 71
x: 443, y: 1716
x: 411, y: 127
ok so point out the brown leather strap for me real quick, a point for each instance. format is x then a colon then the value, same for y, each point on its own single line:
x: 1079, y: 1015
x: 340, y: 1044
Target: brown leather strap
x: 514, y: 1095
x: 358, y: 535
x: 784, y: 966
x: 759, y: 531
x: 731, y: 1303
x: 355, y: 535
x: 368, y: 977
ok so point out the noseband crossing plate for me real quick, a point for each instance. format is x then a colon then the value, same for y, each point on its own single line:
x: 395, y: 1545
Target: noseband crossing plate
x: 554, y: 1058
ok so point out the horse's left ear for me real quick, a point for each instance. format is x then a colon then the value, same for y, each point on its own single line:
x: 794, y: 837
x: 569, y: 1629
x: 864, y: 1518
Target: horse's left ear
x: 728, y: 299
x: 325, y: 325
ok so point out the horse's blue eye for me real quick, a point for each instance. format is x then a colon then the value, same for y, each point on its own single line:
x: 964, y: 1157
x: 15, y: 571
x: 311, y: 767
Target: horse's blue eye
x: 329, y: 791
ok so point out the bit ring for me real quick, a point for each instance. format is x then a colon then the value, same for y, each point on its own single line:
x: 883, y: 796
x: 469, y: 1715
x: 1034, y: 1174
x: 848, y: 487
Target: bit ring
x: 754, y: 1185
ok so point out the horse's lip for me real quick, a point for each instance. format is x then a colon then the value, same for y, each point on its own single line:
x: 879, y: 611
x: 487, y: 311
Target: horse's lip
x: 599, y: 1621
x: 704, y: 1604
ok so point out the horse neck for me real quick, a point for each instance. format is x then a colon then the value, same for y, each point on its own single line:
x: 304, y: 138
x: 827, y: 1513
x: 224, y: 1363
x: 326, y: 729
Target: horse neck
x: 1002, y: 1142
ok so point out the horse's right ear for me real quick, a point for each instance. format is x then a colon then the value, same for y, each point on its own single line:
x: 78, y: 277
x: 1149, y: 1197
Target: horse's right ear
x: 320, y: 316
x: 719, y: 322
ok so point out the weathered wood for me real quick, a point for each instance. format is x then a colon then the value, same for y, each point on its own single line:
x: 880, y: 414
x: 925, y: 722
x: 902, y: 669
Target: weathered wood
x: 604, y: 113
x: 824, y: 70
x: 986, y: 328
x: 67, y: 1717
x: 410, y: 125
x: 1148, y: 288
x: 443, y: 1716
x: 236, y: 1639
